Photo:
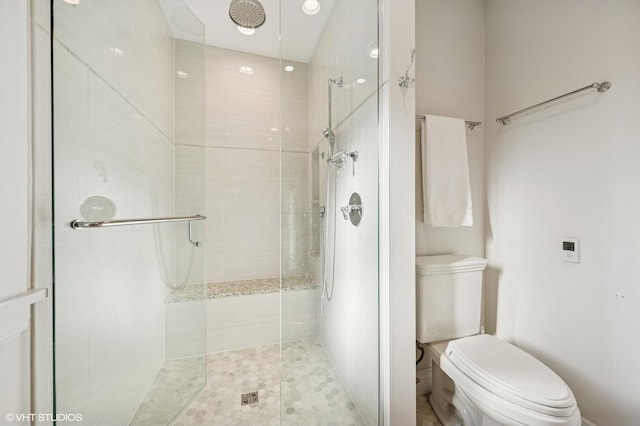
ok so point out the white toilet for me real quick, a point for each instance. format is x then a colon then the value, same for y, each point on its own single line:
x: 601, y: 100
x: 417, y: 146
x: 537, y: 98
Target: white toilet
x: 477, y: 378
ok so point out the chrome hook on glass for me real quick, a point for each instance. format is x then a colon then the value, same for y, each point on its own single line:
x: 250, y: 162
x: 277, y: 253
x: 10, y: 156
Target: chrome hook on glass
x: 405, y: 81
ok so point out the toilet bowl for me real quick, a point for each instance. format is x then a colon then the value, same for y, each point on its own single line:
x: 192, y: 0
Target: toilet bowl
x: 479, y: 379
x: 498, y: 383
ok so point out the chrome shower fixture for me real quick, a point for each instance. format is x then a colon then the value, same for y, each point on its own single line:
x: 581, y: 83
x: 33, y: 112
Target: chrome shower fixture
x: 340, y: 159
x: 331, y: 137
x: 328, y: 131
x: 353, y: 210
x: 247, y: 13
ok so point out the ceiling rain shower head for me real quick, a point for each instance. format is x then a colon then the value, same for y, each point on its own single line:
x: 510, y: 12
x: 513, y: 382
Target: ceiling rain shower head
x: 247, y: 13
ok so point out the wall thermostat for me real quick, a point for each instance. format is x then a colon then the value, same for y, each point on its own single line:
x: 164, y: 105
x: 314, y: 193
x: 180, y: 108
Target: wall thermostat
x: 571, y: 250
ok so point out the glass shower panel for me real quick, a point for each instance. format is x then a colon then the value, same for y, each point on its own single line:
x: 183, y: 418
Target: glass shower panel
x: 329, y: 270
x: 129, y: 320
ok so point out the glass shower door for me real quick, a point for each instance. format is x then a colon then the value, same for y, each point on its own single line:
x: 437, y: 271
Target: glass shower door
x: 130, y: 337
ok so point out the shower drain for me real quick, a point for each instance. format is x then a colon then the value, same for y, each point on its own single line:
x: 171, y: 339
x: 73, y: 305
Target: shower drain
x: 249, y: 398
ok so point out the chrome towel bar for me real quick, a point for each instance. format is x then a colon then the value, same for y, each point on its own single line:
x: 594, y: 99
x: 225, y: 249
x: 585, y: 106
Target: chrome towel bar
x: 80, y: 224
x: 602, y: 87
x: 470, y: 124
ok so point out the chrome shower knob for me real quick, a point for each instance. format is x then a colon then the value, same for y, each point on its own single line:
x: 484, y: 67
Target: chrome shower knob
x: 353, y: 210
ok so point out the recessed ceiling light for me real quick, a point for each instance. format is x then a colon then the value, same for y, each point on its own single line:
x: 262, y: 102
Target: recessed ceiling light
x: 246, y: 30
x: 374, y: 53
x: 274, y: 129
x: 73, y: 2
x: 310, y: 7
x: 246, y: 70
x: 360, y: 81
x: 182, y: 74
x: 289, y: 68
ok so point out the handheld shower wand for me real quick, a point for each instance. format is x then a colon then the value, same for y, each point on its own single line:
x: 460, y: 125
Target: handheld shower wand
x: 328, y: 131
x: 327, y: 287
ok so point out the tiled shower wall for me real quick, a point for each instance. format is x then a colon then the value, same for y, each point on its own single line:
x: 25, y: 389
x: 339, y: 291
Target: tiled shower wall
x: 349, y: 324
x: 257, y: 202
x: 243, y: 157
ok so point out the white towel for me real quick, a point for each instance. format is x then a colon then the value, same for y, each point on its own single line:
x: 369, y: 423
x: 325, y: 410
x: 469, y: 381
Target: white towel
x: 445, y: 172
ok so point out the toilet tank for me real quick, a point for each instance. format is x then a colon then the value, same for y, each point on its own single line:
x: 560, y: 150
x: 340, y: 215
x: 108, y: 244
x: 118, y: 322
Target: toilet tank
x: 448, y: 296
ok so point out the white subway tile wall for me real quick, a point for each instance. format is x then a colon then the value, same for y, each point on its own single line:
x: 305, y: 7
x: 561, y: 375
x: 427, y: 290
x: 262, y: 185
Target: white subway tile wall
x: 248, y: 143
x: 240, y: 322
x: 129, y: 44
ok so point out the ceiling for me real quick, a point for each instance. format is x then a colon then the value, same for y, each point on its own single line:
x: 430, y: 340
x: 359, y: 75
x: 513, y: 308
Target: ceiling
x: 300, y: 32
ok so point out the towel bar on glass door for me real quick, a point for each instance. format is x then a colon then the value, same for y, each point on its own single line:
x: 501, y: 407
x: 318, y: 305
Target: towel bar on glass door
x: 80, y: 224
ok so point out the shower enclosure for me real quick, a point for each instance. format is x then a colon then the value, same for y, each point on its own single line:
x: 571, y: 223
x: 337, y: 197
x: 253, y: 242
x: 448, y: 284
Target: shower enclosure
x: 265, y: 312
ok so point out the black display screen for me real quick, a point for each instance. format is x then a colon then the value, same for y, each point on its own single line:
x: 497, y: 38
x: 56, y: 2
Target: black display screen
x: 566, y: 245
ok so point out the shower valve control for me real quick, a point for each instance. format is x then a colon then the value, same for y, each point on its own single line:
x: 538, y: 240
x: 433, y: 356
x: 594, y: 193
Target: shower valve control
x: 340, y: 159
x: 353, y: 211
x: 354, y: 157
x: 347, y: 210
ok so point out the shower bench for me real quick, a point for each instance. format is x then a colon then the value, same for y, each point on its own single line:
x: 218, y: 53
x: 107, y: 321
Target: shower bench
x: 241, y: 314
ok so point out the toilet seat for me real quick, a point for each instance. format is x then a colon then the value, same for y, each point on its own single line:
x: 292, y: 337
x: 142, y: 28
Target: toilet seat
x: 507, y: 383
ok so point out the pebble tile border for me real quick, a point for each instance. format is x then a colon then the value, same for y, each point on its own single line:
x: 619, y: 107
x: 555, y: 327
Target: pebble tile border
x: 192, y: 293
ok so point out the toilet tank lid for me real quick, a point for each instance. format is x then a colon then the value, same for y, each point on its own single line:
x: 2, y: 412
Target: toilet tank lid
x: 447, y: 263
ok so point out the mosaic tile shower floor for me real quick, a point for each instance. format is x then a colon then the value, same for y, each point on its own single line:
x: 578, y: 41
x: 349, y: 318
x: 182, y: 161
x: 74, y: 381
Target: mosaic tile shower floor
x: 312, y: 393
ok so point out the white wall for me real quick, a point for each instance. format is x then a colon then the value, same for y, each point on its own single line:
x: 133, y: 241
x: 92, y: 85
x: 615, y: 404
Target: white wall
x: 349, y: 329
x: 567, y: 170
x: 450, y: 82
x: 397, y: 213
x: 15, y: 193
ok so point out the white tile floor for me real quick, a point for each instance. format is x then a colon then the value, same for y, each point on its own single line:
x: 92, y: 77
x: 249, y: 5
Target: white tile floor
x: 311, y: 390
x: 312, y: 393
